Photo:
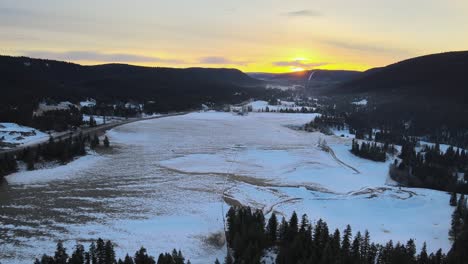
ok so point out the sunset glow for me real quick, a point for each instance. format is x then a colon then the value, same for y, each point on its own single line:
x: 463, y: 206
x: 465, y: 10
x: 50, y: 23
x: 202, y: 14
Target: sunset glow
x: 269, y: 36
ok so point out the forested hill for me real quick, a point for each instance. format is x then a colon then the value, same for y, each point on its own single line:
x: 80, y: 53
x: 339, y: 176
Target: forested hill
x: 315, y: 81
x: 441, y: 75
x: 25, y: 80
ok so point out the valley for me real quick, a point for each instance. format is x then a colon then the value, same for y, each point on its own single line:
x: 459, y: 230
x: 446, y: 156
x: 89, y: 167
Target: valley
x: 168, y: 182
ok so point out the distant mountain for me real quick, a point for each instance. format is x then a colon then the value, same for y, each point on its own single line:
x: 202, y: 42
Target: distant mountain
x: 444, y: 74
x: 26, y: 80
x: 312, y: 80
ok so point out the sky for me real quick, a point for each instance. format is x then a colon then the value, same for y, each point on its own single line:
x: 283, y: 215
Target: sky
x: 251, y: 35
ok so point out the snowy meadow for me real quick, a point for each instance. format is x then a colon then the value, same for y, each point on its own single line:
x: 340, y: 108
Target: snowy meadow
x: 168, y: 182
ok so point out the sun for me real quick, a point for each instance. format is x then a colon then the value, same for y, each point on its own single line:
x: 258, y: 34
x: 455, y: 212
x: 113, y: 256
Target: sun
x: 297, y: 69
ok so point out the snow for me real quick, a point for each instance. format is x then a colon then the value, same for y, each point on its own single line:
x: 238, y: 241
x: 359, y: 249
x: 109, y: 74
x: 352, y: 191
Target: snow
x: 361, y: 102
x: 51, y: 174
x: 258, y: 106
x: 163, y: 188
x: 17, y: 134
x: 88, y: 103
x: 344, y: 133
x: 443, y: 147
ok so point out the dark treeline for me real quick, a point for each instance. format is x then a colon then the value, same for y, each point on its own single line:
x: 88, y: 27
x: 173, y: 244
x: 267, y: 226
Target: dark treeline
x: 431, y: 168
x: 292, y: 110
x: 58, y: 120
x: 459, y: 216
x: 117, y: 109
x: 62, y: 151
x: 8, y: 165
x: 444, y: 122
x: 372, y: 151
x: 159, y: 89
x: 323, y: 123
x: 459, y: 230
x: 102, y: 252
x: 293, y: 241
x: 298, y: 241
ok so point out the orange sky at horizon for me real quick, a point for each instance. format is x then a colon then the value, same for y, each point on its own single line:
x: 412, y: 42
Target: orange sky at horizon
x: 250, y: 35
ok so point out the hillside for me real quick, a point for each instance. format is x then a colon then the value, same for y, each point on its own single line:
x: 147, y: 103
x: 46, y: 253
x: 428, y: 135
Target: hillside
x: 33, y: 79
x: 312, y: 80
x: 444, y: 74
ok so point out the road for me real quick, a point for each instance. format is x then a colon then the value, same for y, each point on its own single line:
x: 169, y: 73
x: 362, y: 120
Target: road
x: 85, y: 131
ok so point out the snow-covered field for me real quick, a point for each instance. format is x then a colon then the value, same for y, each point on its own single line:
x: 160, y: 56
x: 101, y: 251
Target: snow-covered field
x: 170, y: 180
x: 15, y: 134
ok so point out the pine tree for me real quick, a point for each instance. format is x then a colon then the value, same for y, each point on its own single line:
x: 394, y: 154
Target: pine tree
x: 272, y: 229
x: 293, y: 225
x: 92, y: 121
x: 78, y: 256
x: 453, y: 199
x: 365, y: 248
x: 92, y: 253
x: 106, y: 142
x: 346, y: 242
x: 228, y: 259
x: 411, y: 250
x: 128, y: 260
x: 30, y: 157
x: 141, y: 257
x: 423, y: 258
x: 177, y: 256
x: 61, y: 255
x: 109, y: 252
x: 356, y: 248
x: 95, y: 142
x: 100, y: 251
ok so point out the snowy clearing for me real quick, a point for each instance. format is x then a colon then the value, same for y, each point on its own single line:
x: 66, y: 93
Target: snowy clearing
x: 171, y: 179
x: 361, y: 102
x: 15, y: 134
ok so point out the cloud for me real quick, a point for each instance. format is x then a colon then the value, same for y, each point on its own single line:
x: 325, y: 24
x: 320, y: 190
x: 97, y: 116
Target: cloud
x: 220, y: 60
x: 98, y: 56
x: 299, y: 63
x: 303, y: 13
x: 373, y: 48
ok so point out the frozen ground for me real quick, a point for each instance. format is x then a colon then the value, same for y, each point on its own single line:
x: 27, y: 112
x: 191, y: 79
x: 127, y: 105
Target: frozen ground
x: 15, y: 134
x: 169, y: 181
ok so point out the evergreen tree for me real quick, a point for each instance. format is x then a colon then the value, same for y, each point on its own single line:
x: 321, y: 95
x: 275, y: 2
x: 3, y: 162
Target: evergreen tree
x: 100, y: 251
x: 78, y: 256
x: 95, y: 141
x: 61, y: 255
x: 106, y: 142
x: 228, y: 259
x: 356, y: 248
x: 453, y: 199
x: 423, y: 257
x: 109, y: 253
x: 141, y: 257
x: 272, y: 229
x: 92, y: 253
x: 346, y: 242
